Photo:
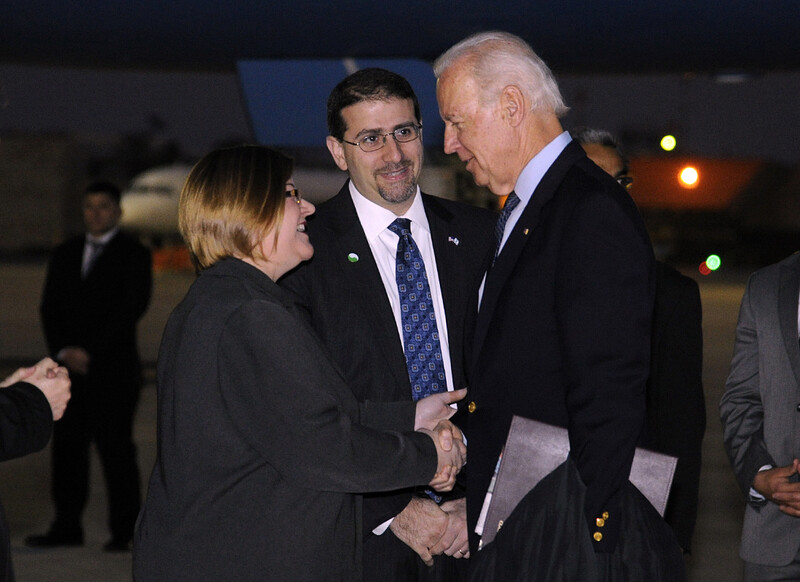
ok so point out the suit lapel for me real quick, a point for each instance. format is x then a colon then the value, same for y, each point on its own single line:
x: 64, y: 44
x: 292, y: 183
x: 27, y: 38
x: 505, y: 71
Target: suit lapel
x: 523, y: 230
x: 787, y: 312
x: 450, y: 265
x: 364, y: 282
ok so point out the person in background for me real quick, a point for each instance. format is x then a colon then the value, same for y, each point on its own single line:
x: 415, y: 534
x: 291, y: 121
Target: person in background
x: 675, y: 419
x: 261, y: 443
x: 351, y: 291
x: 97, y: 287
x: 31, y: 399
x: 759, y: 412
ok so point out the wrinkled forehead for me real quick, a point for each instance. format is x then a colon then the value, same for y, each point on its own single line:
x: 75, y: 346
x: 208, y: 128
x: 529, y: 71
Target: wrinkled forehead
x: 458, y: 94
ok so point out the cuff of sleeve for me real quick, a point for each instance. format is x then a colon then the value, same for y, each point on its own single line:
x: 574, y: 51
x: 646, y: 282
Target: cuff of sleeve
x: 381, y: 529
x: 754, y: 496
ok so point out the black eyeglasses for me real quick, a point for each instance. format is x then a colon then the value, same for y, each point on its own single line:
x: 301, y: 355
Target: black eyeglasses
x: 372, y: 142
x: 624, y: 181
x: 294, y: 193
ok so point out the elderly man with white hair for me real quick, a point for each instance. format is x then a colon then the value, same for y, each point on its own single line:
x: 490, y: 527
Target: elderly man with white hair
x: 562, y: 327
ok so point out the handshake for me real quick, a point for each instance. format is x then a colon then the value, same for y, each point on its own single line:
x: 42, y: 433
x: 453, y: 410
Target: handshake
x: 432, y: 416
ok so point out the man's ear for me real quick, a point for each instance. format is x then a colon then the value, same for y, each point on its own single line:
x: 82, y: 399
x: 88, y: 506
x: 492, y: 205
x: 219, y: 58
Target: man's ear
x: 337, y: 151
x: 512, y: 104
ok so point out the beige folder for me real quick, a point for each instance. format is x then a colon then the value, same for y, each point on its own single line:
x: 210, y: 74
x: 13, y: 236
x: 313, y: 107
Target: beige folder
x: 534, y: 449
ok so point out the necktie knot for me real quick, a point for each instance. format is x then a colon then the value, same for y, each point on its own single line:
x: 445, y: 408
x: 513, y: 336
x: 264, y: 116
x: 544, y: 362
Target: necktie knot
x: 401, y: 227
x: 95, y: 248
x: 511, y: 203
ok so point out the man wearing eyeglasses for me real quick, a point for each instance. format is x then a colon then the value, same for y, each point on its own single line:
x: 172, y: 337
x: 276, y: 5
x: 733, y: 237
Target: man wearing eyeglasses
x: 357, y: 307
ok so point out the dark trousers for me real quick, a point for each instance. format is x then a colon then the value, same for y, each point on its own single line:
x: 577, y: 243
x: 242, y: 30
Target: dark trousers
x: 387, y: 559
x: 99, y: 412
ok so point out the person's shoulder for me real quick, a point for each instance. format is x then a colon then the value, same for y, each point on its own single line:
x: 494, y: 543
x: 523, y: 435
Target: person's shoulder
x: 70, y: 244
x: 790, y: 262
x: 129, y: 239
x: 130, y: 244
x: 459, y: 209
x: 769, y: 276
x: 668, y: 275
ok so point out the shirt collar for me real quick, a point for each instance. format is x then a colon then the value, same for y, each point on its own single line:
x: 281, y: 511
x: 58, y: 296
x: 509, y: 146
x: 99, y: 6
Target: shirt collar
x: 103, y: 239
x: 375, y: 219
x: 533, y: 172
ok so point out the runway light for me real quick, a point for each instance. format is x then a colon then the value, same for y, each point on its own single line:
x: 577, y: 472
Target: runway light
x: 689, y: 177
x: 668, y: 143
x: 704, y: 270
x: 713, y: 262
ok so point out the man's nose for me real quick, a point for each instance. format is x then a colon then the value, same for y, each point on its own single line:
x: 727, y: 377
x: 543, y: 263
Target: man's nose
x: 450, y: 140
x: 393, y: 149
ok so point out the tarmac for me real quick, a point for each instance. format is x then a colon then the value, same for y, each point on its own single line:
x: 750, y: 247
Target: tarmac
x: 24, y: 483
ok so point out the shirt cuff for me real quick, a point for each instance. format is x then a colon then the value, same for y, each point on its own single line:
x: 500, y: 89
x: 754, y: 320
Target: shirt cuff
x: 381, y: 529
x: 755, y: 495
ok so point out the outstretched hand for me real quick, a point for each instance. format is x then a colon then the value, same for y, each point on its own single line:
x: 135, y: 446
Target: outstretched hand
x: 436, y: 407
x: 451, y: 455
x: 52, y: 379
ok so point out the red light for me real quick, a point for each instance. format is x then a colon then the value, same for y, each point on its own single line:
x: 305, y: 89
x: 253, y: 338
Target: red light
x: 704, y: 270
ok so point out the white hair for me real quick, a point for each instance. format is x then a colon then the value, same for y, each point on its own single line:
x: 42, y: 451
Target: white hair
x: 497, y: 59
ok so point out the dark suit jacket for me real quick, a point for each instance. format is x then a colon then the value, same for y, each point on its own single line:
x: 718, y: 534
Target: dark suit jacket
x: 676, y: 408
x: 563, y: 334
x: 26, y: 422
x: 99, y: 313
x: 350, y: 312
x: 260, y: 444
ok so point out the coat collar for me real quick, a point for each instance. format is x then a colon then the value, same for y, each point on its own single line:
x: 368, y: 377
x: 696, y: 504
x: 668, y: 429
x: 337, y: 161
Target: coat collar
x: 524, y: 228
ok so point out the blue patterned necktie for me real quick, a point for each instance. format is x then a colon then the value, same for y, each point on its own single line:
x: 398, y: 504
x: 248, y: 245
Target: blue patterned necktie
x: 420, y: 333
x: 500, y: 227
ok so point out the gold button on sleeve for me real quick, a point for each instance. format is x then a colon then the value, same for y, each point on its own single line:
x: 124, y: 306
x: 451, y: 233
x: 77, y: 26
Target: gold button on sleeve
x: 597, y: 536
x: 471, y: 406
x: 605, y: 515
x: 600, y: 522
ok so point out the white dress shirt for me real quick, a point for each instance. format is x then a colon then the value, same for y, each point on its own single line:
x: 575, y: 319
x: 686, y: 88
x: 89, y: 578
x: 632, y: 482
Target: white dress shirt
x: 375, y: 221
x: 527, y: 181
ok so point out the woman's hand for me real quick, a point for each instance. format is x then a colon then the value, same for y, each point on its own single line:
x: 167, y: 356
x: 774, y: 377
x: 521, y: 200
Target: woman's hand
x: 451, y: 454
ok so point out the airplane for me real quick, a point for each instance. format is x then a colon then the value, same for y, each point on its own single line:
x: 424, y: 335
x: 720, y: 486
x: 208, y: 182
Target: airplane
x: 150, y: 203
x: 650, y: 37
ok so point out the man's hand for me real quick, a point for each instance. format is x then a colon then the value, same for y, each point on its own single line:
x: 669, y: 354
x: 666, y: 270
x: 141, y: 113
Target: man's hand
x: 775, y: 485
x: 451, y: 455
x: 436, y: 407
x: 448, y: 433
x: 454, y: 541
x: 421, y: 526
x: 50, y: 378
x: 19, y: 375
x: 76, y: 359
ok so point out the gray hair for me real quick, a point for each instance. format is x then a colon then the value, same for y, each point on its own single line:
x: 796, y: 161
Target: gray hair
x: 497, y: 59
x: 590, y: 135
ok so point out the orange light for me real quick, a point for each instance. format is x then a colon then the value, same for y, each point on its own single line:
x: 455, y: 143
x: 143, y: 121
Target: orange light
x: 689, y: 177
